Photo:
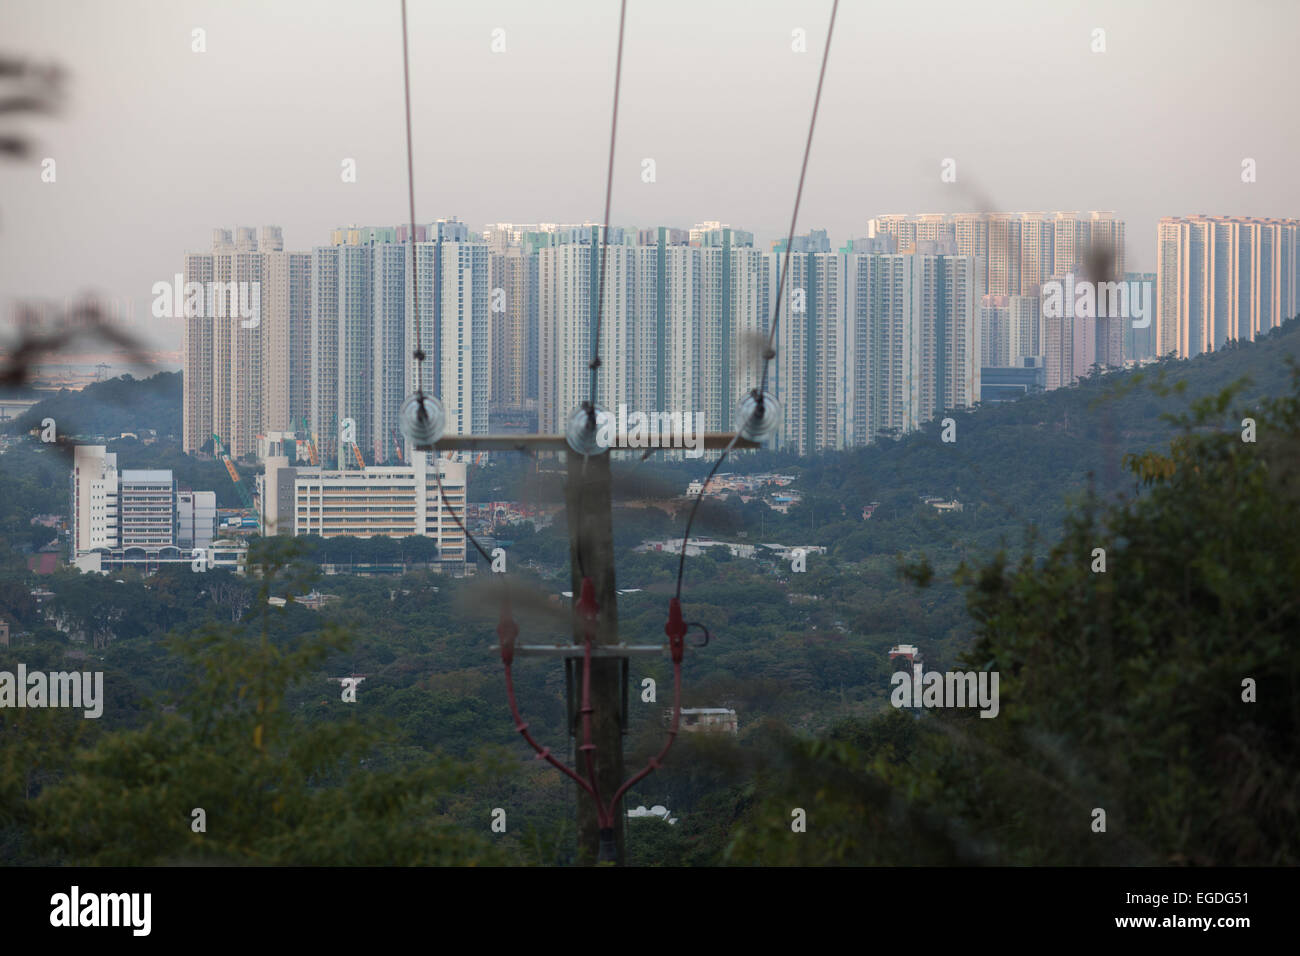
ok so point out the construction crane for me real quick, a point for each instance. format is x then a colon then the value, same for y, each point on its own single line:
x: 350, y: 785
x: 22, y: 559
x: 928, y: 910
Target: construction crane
x: 397, y: 445
x: 240, y: 487
x: 356, y: 450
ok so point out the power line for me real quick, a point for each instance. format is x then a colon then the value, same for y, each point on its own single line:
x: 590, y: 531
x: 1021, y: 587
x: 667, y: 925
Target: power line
x: 695, y: 506
x: 760, y: 416
x: 442, y: 502
x: 422, y: 416
x: 798, y: 197
x: 418, y: 354
x: 594, y: 364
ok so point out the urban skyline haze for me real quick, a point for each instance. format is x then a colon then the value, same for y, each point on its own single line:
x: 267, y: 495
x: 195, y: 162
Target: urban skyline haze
x: 157, y: 143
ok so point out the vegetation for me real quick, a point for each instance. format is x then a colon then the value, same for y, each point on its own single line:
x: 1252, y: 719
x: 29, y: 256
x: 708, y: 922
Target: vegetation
x: 109, y: 408
x: 1120, y: 690
x: 1159, y: 691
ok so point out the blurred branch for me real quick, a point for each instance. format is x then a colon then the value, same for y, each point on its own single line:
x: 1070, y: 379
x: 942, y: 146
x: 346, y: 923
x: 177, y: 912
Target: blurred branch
x: 26, y: 88
x: 84, y: 321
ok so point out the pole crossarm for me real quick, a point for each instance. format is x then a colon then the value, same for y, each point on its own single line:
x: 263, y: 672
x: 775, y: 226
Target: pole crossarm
x: 597, y: 650
x: 710, y: 440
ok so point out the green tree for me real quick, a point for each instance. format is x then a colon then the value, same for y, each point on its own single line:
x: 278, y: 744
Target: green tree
x: 277, y: 787
x: 1123, y: 690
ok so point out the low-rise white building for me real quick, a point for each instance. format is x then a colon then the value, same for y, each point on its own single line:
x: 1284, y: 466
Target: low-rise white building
x: 393, y: 501
x: 708, y: 720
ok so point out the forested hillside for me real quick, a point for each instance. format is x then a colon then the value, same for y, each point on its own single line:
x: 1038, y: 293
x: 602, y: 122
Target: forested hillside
x: 118, y: 405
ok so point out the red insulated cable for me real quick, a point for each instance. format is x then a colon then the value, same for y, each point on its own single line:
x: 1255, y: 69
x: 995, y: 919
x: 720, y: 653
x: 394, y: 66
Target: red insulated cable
x: 655, y: 762
x: 676, y: 631
x: 588, y: 748
x: 508, y: 630
x: 543, y: 752
x: 588, y: 608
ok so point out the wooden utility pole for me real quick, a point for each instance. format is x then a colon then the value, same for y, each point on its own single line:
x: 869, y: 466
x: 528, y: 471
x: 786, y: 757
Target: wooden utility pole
x: 591, y: 551
x: 589, y: 502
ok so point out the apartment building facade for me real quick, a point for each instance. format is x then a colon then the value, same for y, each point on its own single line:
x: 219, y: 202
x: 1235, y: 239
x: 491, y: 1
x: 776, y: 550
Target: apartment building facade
x: 1221, y: 278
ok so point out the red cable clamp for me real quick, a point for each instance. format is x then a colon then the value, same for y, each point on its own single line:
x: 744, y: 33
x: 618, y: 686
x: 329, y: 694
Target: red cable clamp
x: 587, y: 607
x: 676, y: 630
x: 507, y: 631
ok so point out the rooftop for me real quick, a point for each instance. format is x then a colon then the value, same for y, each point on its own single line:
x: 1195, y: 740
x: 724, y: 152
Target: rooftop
x: 147, y: 475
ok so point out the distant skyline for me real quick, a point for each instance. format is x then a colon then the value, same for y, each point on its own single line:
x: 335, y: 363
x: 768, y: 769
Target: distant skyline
x: 158, y: 145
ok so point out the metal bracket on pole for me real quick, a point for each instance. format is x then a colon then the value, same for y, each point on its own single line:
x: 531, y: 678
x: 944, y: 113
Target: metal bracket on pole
x: 573, y: 679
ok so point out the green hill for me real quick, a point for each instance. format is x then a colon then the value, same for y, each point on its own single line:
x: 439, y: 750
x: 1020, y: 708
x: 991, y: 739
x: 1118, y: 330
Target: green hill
x: 1012, y: 465
x: 124, y: 404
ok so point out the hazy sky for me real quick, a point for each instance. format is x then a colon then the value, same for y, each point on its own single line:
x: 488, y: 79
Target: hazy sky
x: 158, y: 145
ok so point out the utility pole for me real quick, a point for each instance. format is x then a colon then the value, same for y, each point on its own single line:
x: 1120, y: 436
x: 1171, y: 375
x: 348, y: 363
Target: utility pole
x: 600, y: 713
x: 588, y: 500
x: 591, y: 550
